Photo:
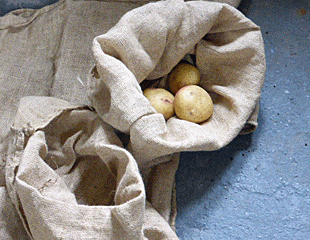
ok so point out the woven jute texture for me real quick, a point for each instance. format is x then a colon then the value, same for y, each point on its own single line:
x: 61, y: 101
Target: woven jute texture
x: 147, y: 43
x: 69, y: 177
x: 70, y: 77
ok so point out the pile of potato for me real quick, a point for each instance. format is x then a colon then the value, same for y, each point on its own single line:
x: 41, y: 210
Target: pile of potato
x: 186, y: 99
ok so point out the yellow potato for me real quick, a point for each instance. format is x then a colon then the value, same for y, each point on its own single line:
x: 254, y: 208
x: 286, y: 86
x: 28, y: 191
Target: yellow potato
x: 182, y: 75
x: 193, y: 103
x: 161, y: 100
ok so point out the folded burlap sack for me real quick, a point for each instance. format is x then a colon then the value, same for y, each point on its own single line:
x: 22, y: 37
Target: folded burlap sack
x: 69, y: 177
x: 147, y: 43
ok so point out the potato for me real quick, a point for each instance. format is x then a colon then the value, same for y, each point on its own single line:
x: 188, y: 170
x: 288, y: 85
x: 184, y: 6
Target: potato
x: 193, y: 103
x: 182, y: 75
x: 161, y: 100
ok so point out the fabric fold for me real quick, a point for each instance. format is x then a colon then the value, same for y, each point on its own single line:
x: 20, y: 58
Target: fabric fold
x: 68, y: 175
x: 229, y: 54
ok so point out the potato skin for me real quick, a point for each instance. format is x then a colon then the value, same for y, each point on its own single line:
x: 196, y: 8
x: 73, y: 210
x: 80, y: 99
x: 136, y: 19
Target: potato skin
x: 161, y: 100
x: 182, y: 75
x: 193, y: 103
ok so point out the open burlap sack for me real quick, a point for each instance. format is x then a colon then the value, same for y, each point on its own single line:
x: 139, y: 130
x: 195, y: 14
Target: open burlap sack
x: 69, y: 177
x: 47, y: 52
x: 147, y: 43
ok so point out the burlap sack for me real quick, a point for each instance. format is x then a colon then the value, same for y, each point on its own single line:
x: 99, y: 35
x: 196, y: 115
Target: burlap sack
x: 47, y: 52
x: 147, y: 43
x: 69, y: 177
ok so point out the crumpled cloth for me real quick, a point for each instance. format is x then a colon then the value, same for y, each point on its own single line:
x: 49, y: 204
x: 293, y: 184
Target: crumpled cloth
x: 69, y: 177
x: 64, y: 172
x: 147, y: 43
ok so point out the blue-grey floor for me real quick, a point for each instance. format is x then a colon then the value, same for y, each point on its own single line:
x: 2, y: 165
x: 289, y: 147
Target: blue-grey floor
x: 258, y: 187
x: 10, y: 5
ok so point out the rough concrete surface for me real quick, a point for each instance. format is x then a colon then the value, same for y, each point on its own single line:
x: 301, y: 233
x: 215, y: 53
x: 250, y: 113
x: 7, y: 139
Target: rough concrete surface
x: 257, y: 187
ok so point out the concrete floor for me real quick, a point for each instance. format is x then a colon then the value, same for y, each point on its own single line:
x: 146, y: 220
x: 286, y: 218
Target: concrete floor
x: 10, y: 5
x: 258, y: 187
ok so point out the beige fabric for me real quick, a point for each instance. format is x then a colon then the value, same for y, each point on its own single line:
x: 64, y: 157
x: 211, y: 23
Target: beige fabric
x: 147, y: 43
x: 63, y: 172
x: 11, y: 227
x: 70, y: 178
x: 47, y: 52
x: 44, y: 52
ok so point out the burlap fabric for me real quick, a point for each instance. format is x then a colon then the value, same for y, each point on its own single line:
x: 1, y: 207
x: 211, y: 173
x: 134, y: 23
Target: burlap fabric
x: 147, y: 43
x: 64, y: 173
x: 70, y: 178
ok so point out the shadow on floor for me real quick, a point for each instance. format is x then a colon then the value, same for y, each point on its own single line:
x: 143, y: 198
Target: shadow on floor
x: 200, y: 172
